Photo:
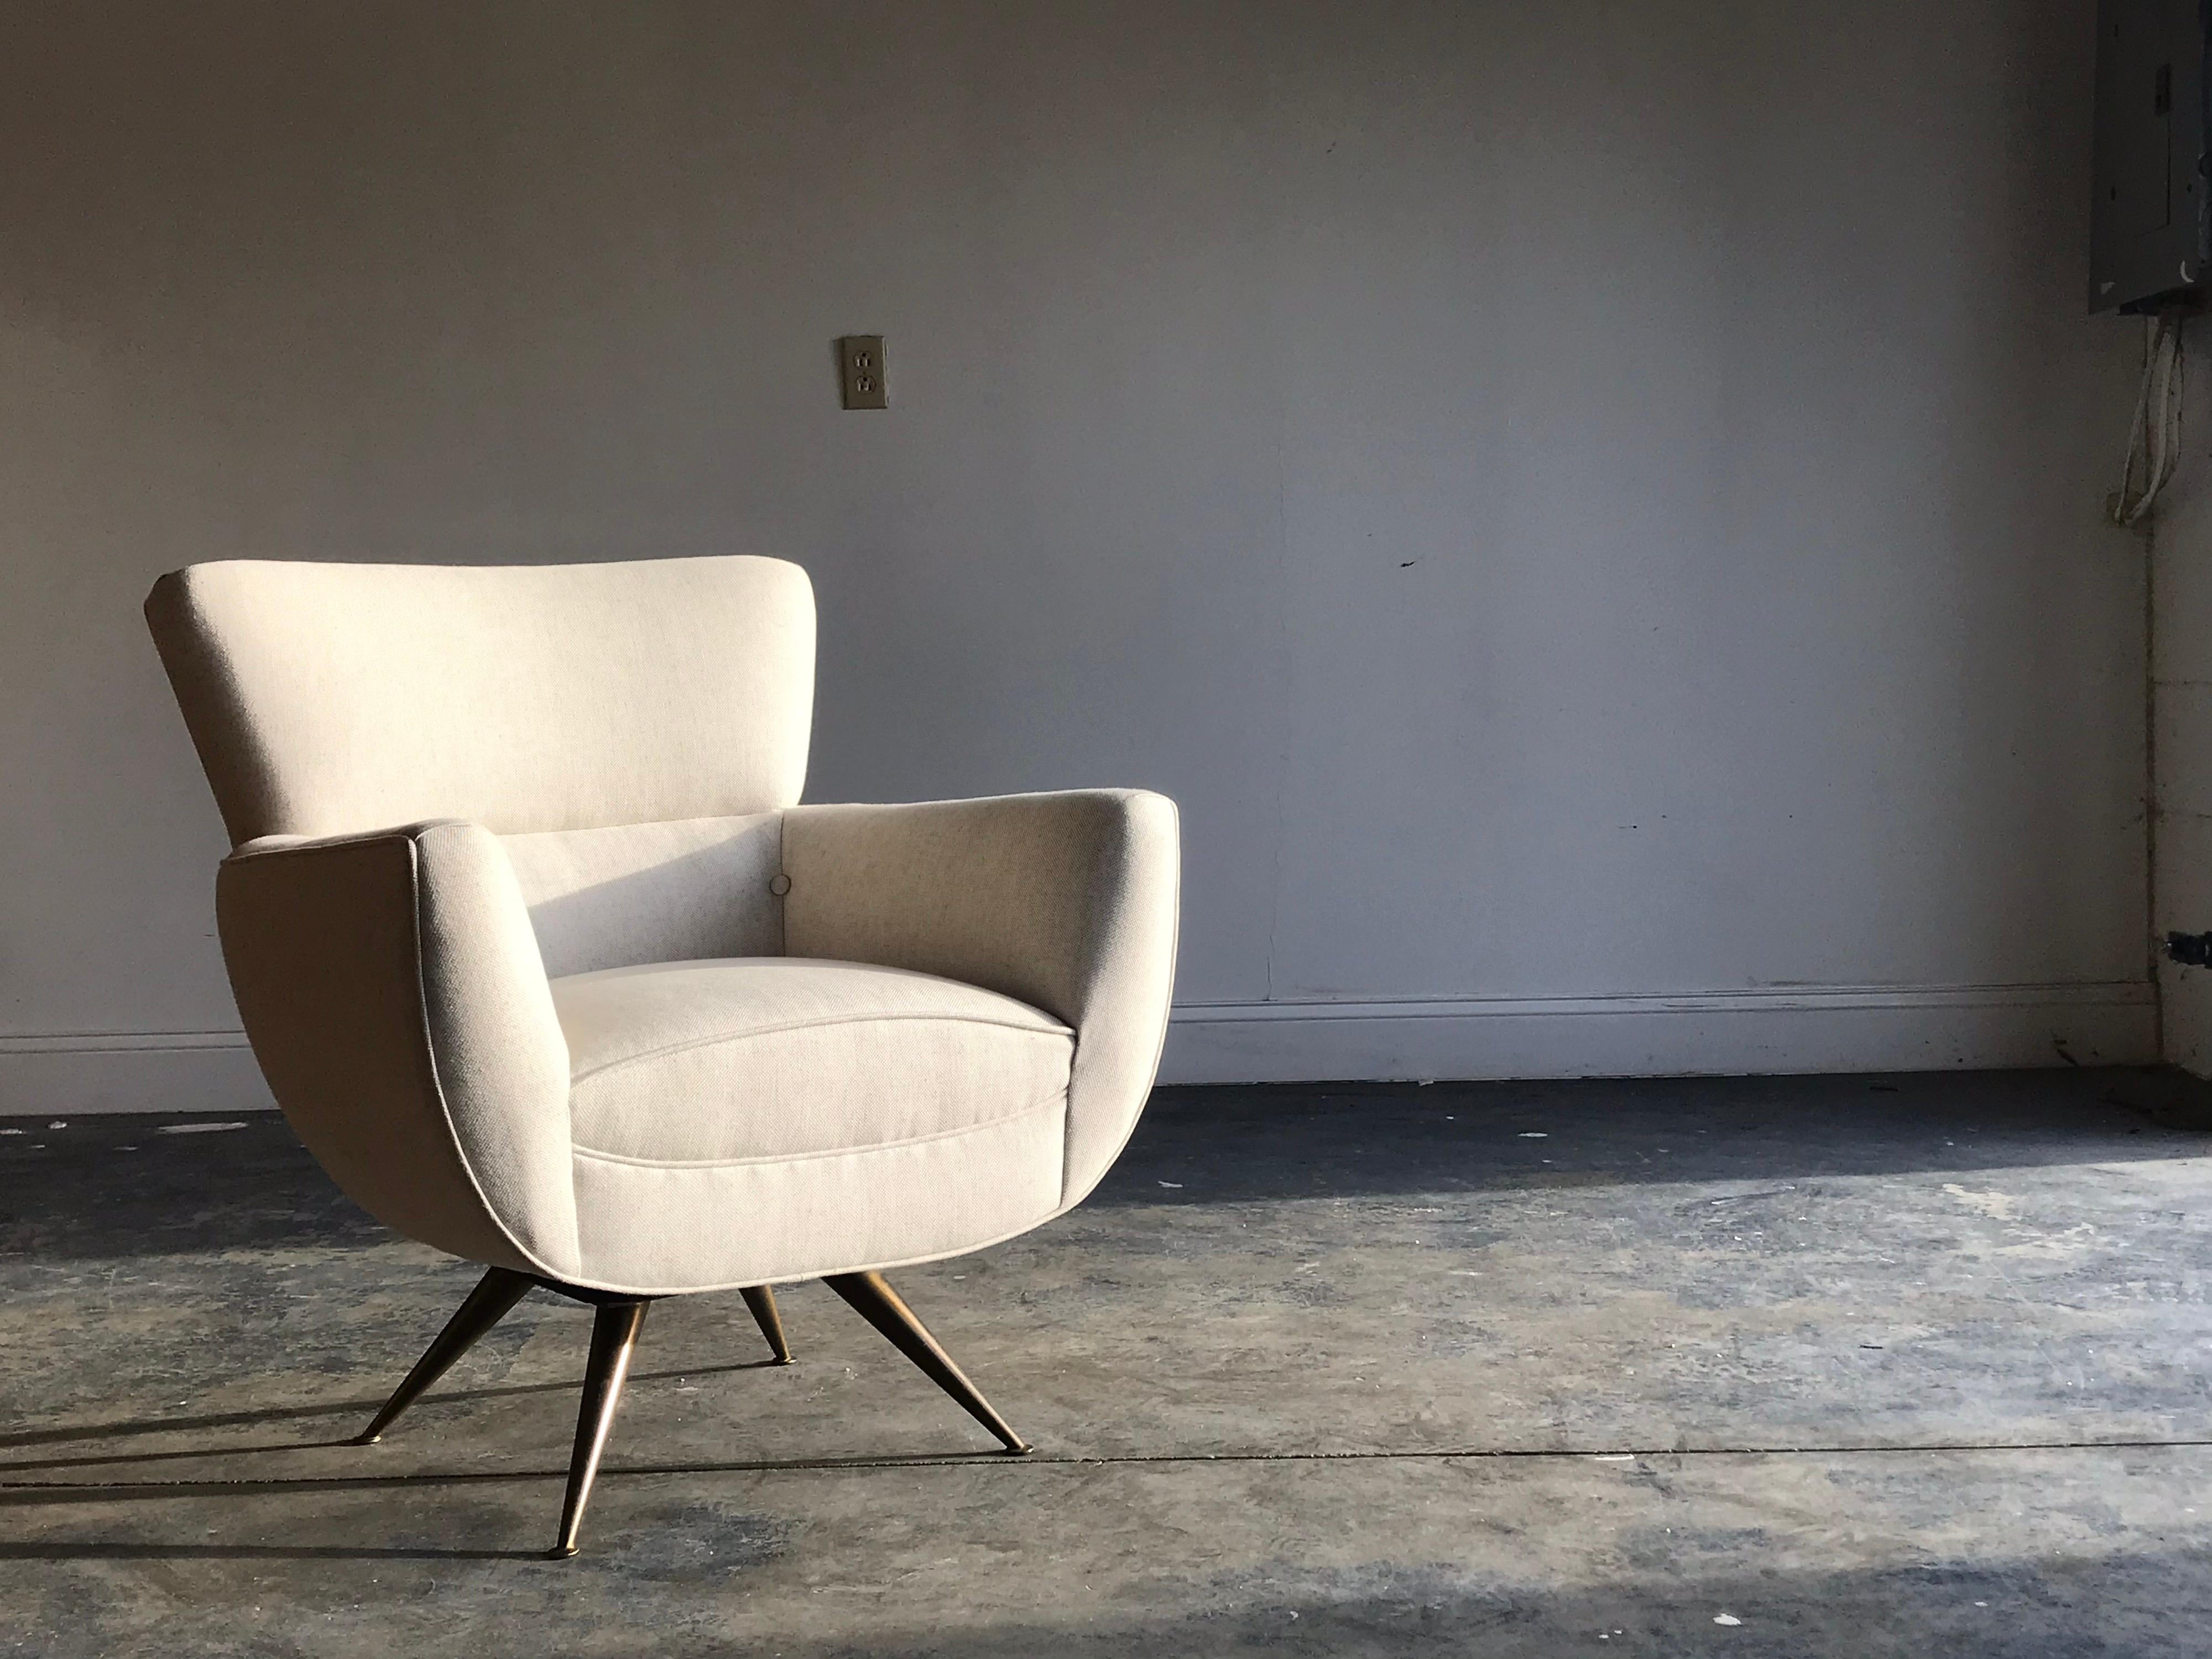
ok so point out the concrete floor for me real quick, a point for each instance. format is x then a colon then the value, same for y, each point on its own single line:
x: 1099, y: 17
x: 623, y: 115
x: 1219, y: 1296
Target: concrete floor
x: 1853, y: 1366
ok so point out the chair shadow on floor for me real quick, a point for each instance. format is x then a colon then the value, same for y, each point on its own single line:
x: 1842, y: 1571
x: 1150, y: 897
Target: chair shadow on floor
x: 361, y: 1409
x: 99, y: 1550
x: 65, y: 1495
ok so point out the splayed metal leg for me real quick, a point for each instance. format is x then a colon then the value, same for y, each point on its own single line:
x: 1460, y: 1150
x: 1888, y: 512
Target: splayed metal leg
x: 762, y: 1301
x: 492, y: 1300
x: 879, y: 1304
x: 614, y: 1340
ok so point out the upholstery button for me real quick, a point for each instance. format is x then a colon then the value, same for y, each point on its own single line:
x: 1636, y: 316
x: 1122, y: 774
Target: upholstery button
x: 780, y: 885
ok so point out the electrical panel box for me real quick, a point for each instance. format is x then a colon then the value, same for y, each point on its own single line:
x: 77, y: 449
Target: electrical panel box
x: 2146, y: 238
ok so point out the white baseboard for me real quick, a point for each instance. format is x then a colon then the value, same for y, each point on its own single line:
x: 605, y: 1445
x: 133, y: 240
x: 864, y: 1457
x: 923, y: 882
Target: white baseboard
x: 1723, y: 1033
x: 1828, y: 1028
x: 78, y: 1074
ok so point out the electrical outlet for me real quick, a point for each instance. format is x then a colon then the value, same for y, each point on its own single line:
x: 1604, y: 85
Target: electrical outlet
x: 860, y: 371
x: 2189, y: 950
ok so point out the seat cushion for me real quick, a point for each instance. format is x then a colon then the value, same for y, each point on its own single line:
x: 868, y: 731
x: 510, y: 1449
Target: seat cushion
x: 752, y: 1059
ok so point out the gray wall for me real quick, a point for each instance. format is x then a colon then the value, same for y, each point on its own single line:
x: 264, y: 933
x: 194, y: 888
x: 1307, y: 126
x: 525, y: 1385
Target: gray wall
x: 1591, y: 508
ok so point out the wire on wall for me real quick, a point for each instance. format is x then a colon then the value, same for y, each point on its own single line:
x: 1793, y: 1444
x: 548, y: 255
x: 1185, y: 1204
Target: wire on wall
x: 2154, y: 435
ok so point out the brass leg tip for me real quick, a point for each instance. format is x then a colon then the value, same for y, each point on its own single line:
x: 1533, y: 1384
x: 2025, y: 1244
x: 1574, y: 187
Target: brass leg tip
x: 366, y: 1437
x: 1020, y: 1448
x: 560, y: 1552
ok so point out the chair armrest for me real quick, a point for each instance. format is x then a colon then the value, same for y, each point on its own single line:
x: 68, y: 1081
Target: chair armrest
x: 392, y: 990
x: 1067, y: 901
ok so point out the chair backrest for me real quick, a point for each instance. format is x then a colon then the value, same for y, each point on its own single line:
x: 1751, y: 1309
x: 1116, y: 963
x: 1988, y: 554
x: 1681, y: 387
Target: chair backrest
x: 330, y: 698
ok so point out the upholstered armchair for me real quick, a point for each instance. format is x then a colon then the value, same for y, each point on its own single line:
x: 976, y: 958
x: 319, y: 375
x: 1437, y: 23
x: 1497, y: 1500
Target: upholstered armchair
x: 549, y: 970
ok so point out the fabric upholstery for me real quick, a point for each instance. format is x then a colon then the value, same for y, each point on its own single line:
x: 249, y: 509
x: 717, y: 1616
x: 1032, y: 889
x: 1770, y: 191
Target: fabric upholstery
x: 330, y: 698
x: 605, y: 1005
x: 392, y: 989
x: 704, y: 1227
x: 692, y: 1062
x: 652, y: 892
x: 1066, y: 902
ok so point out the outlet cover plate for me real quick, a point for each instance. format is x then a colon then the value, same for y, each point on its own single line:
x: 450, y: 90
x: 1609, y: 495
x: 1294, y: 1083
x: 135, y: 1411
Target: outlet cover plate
x: 860, y: 371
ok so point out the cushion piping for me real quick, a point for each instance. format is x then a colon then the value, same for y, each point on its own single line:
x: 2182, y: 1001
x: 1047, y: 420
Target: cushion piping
x: 1058, y: 1097
x: 807, y: 1025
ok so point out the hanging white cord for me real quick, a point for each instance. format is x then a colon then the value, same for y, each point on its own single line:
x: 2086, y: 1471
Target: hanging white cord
x: 2155, y: 433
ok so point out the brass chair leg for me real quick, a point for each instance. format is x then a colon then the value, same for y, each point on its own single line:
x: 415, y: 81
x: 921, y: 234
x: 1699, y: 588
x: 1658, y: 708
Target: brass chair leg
x: 879, y: 1304
x: 492, y: 1300
x: 762, y: 1301
x: 614, y: 1339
